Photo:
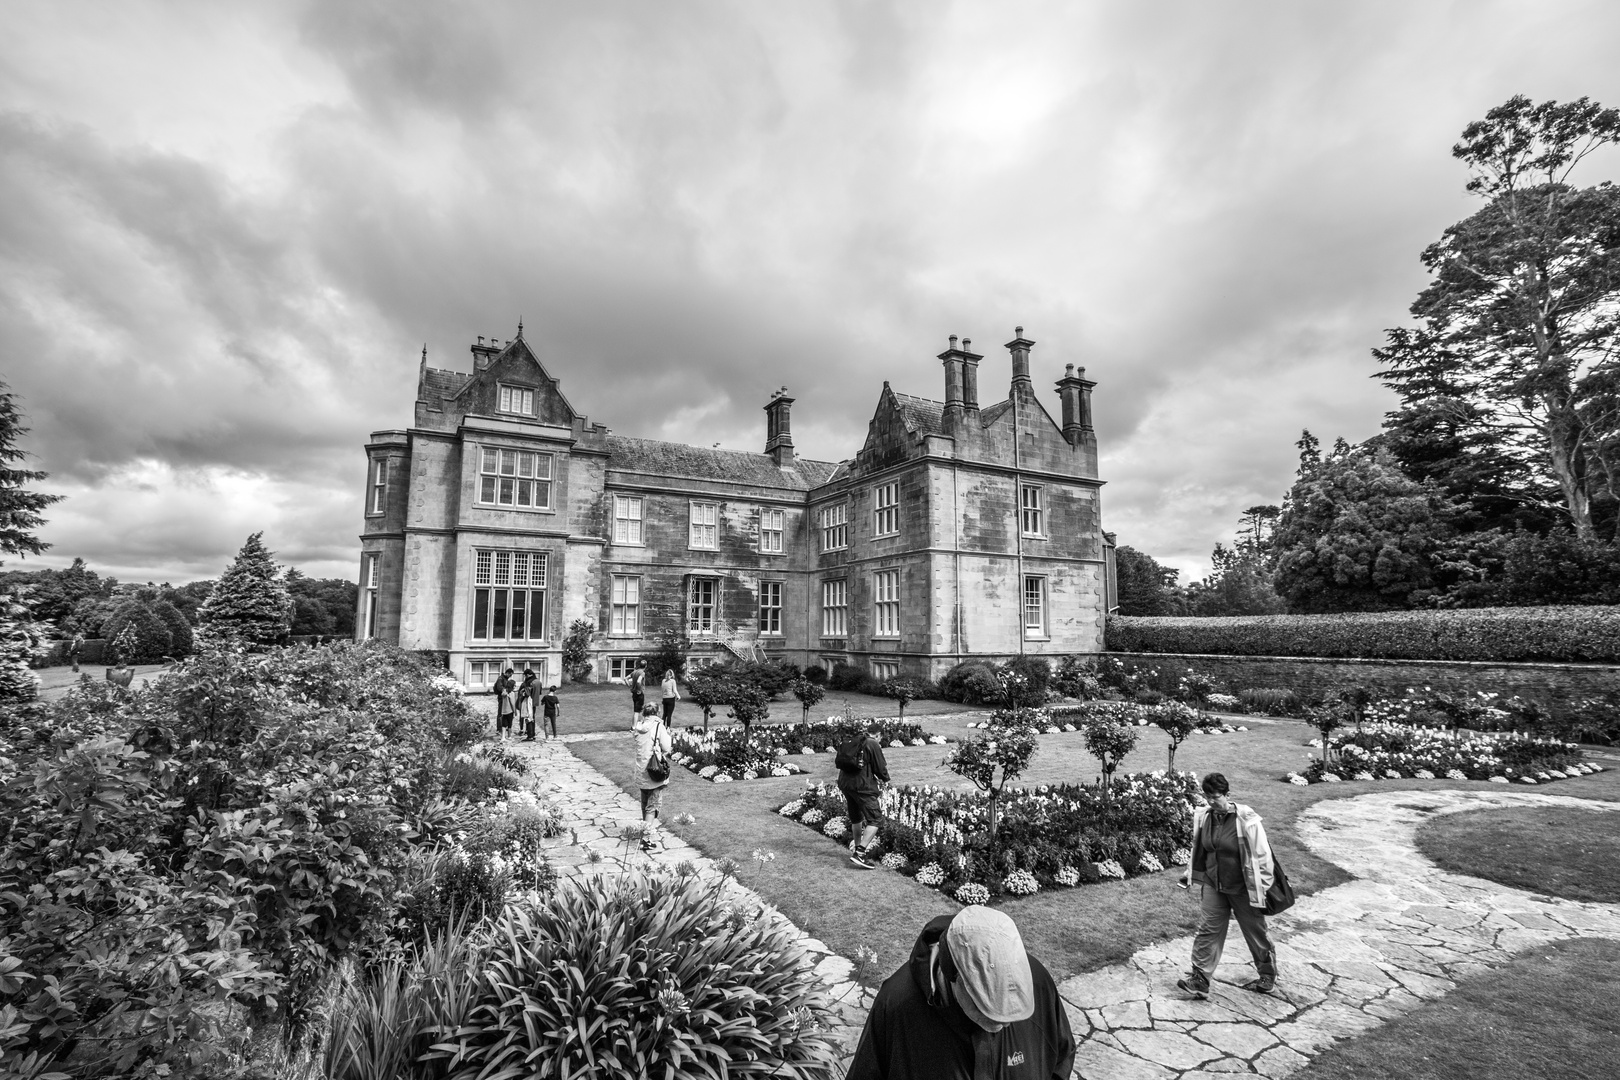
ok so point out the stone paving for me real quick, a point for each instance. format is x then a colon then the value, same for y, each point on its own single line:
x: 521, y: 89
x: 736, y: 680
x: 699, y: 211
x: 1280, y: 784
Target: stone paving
x: 1350, y: 956
x: 596, y: 812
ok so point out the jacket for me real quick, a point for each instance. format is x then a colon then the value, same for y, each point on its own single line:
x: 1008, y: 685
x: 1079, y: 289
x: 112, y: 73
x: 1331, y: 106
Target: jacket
x: 646, y: 729
x: 912, y: 1033
x: 1255, y: 851
x: 873, y: 773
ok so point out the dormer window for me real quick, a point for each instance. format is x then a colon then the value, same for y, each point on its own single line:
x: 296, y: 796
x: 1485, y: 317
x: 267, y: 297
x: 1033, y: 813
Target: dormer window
x: 517, y: 399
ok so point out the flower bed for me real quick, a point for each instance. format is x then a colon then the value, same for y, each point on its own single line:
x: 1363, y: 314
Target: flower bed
x: 726, y: 754
x: 1396, y: 752
x: 1048, y: 837
x: 1056, y: 719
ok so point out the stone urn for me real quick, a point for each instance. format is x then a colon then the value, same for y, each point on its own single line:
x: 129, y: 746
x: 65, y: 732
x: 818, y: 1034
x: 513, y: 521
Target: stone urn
x: 122, y: 675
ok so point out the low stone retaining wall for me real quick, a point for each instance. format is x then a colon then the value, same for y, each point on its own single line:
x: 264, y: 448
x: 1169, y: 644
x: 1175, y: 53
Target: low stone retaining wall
x: 1553, y: 685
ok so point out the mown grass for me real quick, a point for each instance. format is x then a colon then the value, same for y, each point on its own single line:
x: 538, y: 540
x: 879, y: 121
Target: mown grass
x: 1554, y: 850
x: 1549, y: 1013
x: 1072, y: 931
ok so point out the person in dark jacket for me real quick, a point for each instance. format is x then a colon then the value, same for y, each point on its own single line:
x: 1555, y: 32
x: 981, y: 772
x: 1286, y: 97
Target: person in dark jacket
x: 862, y: 772
x: 970, y: 1004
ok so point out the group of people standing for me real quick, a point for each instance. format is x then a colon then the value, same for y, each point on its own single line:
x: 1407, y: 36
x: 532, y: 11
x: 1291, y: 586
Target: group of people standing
x: 521, y: 703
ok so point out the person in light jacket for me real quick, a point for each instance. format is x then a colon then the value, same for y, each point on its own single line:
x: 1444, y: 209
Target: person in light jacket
x: 651, y: 730
x: 1232, y: 864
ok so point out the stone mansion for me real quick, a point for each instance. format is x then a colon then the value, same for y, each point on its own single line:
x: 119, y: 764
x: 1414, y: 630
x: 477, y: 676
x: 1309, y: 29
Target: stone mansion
x: 503, y: 515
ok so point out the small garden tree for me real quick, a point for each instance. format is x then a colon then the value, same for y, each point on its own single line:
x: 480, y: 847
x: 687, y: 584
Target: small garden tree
x: 994, y: 758
x: 1178, y: 721
x: 707, y: 690
x: 903, y: 690
x: 1109, y: 739
x: 748, y: 702
x: 576, y: 650
x: 1356, y: 699
x: 1327, y: 719
x: 250, y: 605
x: 809, y: 694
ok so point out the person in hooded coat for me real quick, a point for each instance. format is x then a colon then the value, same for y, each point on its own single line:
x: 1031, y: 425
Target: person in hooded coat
x: 970, y: 1004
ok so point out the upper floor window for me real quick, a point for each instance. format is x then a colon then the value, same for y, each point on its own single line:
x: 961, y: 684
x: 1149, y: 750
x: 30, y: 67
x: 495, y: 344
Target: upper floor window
x: 627, y: 519
x: 886, y: 510
x: 1032, y: 514
x: 379, y: 487
x: 509, y: 595
x: 1034, y: 606
x: 368, y: 617
x: 834, y: 608
x: 771, y: 523
x: 835, y: 527
x: 705, y: 522
x: 514, y: 478
x: 886, y: 603
x: 517, y: 399
x: 770, y: 607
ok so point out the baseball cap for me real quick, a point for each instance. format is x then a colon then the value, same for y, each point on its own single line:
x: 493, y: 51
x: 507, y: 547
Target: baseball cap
x: 992, y: 966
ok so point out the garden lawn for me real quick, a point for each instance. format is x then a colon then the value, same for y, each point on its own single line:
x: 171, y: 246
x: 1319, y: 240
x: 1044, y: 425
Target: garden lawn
x: 1549, y: 1014
x: 1552, y: 850
x: 56, y: 681
x: 588, y: 707
x: 1072, y: 930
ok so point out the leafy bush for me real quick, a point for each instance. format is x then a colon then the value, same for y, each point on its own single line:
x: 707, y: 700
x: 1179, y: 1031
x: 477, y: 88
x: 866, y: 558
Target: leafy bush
x: 972, y: 682
x: 476, y: 778
x: 1270, y: 702
x: 845, y: 677
x: 815, y: 674
x: 769, y: 750
x: 1513, y: 634
x: 1377, y: 750
x: 669, y: 654
x: 1109, y: 740
x: 1036, y: 673
x: 142, y: 634
x: 773, y: 678
x: 1076, y: 677
x: 672, y: 978
x: 576, y: 650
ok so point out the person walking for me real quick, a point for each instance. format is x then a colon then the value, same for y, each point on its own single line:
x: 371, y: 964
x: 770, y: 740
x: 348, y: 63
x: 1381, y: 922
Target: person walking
x: 970, y: 1004
x: 75, y: 648
x: 551, y: 705
x: 638, y: 689
x: 862, y: 772
x: 672, y: 694
x: 651, y: 733
x: 1233, y: 866
x: 504, y: 704
x: 526, y: 693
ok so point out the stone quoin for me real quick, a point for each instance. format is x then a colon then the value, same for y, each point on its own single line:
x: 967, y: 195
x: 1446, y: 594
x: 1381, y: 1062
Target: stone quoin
x: 503, y: 515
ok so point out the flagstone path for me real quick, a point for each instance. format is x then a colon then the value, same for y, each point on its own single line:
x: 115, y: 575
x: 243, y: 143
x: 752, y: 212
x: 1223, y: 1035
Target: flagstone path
x: 596, y: 814
x: 1349, y: 957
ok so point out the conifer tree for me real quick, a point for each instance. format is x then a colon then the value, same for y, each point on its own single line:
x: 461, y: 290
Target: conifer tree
x: 250, y: 605
x: 19, y: 517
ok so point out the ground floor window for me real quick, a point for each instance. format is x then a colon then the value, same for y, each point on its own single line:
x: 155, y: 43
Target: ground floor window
x: 700, y: 605
x: 885, y: 669
x: 830, y: 662
x: 368, y: 617
x: 621, y: 667
x: 481, y: 674
x: 1034, y: 606
x: 770, y: 607
x: 509, y: 596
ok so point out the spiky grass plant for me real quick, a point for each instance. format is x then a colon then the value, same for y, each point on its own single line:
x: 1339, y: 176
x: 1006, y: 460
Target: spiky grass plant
x: 642, y: 975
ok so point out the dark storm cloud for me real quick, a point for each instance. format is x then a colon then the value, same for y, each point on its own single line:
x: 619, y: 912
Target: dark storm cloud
x: 218, y: 263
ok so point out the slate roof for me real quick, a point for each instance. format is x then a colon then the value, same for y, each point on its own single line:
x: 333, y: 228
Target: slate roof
x: 920, y: 414
x: 991, y: 414
x: 703, y: 463
x: 443, y: 383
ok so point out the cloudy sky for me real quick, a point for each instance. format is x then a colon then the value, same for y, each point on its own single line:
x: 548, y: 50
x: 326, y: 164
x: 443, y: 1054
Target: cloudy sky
x: 226, y: 231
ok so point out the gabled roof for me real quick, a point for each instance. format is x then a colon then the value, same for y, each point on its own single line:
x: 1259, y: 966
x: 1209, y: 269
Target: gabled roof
x: 992, y: 413
x: 705, y: 463
x: 442, y: 383
x: 921, y: 415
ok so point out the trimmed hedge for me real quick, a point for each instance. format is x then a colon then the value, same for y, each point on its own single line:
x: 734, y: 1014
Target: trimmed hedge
x: 1496, y: 635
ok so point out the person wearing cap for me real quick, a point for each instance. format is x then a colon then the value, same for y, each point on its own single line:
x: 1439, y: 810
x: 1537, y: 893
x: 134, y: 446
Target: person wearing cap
x: 970, y: 1004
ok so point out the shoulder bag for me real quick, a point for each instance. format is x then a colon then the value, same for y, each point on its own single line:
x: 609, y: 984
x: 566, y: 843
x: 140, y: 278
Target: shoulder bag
x: 657, y: 761
x: 1280, y: 897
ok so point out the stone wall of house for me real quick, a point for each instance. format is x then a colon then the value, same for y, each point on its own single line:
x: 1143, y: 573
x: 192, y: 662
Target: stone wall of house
x: 1553, y: 685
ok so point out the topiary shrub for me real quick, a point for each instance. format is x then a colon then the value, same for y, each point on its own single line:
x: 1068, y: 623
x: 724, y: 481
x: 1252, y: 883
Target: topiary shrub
x: 972, y: 682
x: 674, y: 981
x: 846, y: 677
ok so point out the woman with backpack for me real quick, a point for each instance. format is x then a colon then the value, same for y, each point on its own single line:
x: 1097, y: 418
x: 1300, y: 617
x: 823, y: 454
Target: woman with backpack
x: 1234, y: 868
x: 653, y: 747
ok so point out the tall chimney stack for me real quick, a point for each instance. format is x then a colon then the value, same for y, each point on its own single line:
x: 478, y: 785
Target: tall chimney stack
x: 961, y: 384
x: 778, y: 431
x: 1075, y: 392
x: 1019, y: 347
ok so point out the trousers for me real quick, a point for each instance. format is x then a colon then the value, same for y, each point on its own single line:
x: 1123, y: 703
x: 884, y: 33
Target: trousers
x: 1218, y: 908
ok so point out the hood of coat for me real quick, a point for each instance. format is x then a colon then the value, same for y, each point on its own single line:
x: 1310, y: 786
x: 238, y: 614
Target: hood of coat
x: 922, y: 954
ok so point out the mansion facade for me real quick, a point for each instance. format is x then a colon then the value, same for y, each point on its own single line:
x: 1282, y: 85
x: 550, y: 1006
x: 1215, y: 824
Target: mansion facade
x: 503, y: 515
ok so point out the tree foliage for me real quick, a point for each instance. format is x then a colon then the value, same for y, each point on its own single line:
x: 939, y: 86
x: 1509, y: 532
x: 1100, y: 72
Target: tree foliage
x: 21, y: 510
x: 1145, y: 587
x: 250, y: 604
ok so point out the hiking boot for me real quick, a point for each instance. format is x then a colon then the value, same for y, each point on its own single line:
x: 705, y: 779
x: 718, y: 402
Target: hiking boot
x: 1194, y: 985
x: 1265, y: 984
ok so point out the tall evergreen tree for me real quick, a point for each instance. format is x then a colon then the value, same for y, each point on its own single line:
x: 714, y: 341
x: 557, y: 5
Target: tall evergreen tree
x: 250, y: 604
x: 20, y: 509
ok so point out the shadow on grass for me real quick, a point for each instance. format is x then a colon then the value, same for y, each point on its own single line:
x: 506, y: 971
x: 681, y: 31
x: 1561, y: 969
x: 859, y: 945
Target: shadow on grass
x: 1552, y: 850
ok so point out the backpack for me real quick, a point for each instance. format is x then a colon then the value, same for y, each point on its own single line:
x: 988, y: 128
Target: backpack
x: 657, y: 762
x: 850, y: 756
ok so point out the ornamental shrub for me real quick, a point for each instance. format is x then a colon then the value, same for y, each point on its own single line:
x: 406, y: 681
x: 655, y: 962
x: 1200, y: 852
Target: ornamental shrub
x: 809, y: 691
x: 1514, y: 634
x: 845, y: 677
x: 1178, y: 721
x: 972, y: 682
x: 142, y: 635
x: 674, y: 981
